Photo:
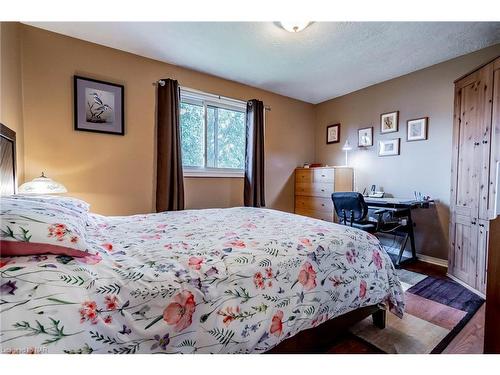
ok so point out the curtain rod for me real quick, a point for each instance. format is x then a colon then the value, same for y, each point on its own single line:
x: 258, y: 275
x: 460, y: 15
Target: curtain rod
x: 162, y: 83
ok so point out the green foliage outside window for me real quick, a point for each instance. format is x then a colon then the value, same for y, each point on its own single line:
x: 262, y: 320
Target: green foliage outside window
x: 192, y: 135
x: 225, y: 138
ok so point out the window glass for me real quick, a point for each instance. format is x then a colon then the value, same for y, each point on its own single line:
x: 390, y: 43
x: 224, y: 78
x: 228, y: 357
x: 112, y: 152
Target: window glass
x: 230, y: 139
x: 192, y: 135
x: 217, y: 144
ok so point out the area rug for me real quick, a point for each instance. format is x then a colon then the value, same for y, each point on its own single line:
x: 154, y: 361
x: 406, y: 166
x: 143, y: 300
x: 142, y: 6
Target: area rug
x: 436, y: 311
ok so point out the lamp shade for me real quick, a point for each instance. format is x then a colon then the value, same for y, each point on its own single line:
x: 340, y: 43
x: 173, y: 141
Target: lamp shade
x: 42, y: 185
x: 347, y: 146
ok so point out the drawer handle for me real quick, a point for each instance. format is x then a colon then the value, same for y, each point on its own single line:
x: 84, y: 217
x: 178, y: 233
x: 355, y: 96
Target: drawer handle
x: 323, y: 204
x: 323, y: 175
x: 322, y: 189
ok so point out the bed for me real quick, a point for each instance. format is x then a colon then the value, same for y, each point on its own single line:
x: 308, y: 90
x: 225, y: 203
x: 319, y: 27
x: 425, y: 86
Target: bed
x: 236, y: 280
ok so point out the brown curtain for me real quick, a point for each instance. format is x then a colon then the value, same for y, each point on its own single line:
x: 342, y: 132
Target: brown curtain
x: 254, y: 155
x: 169, y: 177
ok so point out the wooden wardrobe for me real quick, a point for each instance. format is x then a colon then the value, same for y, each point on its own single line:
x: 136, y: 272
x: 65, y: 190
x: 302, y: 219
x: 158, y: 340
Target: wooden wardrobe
x: 476, y: 156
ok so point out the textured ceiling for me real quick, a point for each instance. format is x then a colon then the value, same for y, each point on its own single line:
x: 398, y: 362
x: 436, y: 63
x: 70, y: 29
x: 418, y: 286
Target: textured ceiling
x: 326, y: 60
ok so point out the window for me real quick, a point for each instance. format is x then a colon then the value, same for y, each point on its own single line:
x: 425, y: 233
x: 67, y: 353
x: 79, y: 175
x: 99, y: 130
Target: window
x: 212, y: 135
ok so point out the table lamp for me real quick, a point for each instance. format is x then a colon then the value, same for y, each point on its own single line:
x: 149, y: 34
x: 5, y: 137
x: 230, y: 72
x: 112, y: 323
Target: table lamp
x: 42, y: 185
x: 347, y: 147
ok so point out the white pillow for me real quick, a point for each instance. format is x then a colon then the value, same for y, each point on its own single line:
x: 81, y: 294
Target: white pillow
x: 31, y: 227
x: 71, y: 203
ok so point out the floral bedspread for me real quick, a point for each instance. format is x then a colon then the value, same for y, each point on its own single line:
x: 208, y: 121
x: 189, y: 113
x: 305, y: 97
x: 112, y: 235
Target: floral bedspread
x: 237, y: 280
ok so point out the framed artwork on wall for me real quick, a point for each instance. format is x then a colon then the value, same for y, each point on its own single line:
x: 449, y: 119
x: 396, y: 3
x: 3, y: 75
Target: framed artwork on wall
x: 99, y: 106
x: 417, y: 129
x: 389, y: 122
x: 365, y: 137
x: 389, y: 147
x: 333, y: 133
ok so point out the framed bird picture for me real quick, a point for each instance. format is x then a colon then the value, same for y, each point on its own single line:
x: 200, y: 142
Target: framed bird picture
x: 99, y: 106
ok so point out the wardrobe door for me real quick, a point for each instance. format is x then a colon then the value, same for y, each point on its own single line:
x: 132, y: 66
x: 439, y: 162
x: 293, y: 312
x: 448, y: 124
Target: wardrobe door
x: 465, y: 178
x: 465, y: 188
x: 482, y: 255
x: 485, y: 86
x: 463, y: 249
x: 493, y: 194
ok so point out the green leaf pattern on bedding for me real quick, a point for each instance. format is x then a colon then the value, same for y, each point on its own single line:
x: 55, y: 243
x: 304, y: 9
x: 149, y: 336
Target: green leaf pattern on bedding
x: 237, y: 280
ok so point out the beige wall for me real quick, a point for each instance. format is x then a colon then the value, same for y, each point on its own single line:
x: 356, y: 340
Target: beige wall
x: 116, y: 174
x: 423, y: 166
x: 211, y: 193
x: 11, y: 108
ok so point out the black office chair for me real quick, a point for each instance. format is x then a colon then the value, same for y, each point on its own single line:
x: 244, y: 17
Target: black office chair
x: 352, y: 210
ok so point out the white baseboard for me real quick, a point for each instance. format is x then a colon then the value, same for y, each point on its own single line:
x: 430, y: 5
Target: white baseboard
x: 422, y: 257
x: 433, y: 260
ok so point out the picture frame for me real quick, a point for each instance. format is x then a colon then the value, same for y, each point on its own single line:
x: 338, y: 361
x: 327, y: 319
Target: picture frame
x: 389, y: 122
x: 389, y: 147
x: 365, y: 137
x: 99, y: 106
x: 417, y: 129
x: 333, y: 134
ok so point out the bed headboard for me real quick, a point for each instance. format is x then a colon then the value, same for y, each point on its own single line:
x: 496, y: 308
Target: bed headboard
x: 8, y: 177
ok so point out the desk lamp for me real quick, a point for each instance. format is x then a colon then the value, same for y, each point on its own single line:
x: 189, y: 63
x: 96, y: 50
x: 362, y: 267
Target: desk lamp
x: 347, y: 147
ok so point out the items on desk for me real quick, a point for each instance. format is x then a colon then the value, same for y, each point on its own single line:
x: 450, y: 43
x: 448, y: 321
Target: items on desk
x: 376, y: 194
x: 420, y: 197
x: 373, y: 193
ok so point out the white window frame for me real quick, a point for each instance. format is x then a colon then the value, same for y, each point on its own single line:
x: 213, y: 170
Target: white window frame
x: 195, y: 97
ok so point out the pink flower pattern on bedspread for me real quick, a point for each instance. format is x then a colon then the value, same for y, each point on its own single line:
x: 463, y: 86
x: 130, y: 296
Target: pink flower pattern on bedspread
x: 238, y: 280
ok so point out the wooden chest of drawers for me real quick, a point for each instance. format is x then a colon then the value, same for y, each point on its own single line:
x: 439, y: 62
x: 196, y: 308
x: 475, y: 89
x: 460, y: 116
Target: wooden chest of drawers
x: 314, y: 187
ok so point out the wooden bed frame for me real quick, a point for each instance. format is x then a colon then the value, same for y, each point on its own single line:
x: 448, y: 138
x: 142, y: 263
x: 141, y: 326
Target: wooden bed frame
x: 313, y: 340
x: 320, y: 338
x: 8, y: 176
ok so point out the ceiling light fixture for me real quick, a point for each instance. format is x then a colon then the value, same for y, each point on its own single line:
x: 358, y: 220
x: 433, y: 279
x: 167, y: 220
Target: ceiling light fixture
x: 294, y: 27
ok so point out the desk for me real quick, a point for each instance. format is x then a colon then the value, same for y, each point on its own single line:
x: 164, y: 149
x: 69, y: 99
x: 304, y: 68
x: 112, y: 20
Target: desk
x: 402, y: 207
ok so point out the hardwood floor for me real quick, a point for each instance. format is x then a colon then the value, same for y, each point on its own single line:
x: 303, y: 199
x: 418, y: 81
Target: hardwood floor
x: 428, y: 269
x: 469, y: 341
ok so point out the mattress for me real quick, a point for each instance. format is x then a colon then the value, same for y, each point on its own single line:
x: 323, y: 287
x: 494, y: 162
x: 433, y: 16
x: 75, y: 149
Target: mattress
x: 236, y: 280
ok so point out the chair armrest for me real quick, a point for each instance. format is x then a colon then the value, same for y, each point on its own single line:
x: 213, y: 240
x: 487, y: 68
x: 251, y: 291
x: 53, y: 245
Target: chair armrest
x: 380, y: 212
